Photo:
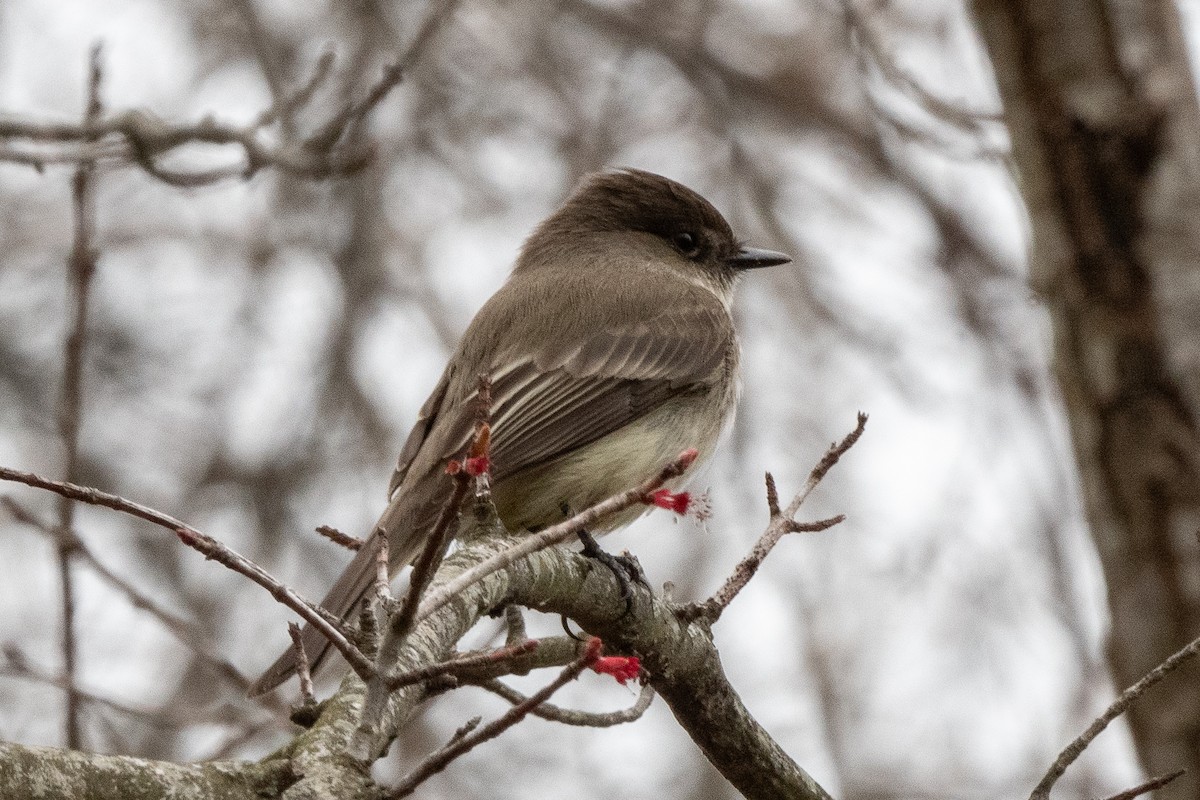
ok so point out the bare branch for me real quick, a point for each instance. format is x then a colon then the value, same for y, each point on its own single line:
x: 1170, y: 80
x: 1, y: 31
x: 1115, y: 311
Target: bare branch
x: 476, y: 465
x: 337, y: 537
x: 1148, y: 786
x: 212, y: 549
x: 438, y: 540
x: 826, y: 463
x: 140, y: 136
x: 781, y: 523
x: 1118, y: 707
x: 438, y: 760
x: 307, y: 698
x: 463, y: 663
x: 426, y: 565
x: 568, y: 716
x: 81, y: 267
x: 354, y: 113
x: 144, y: 138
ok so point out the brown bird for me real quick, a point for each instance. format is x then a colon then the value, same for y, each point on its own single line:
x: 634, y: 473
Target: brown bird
x: 610, y: 350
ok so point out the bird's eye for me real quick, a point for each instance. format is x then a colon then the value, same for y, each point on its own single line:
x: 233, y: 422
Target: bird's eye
x: 686, y: 243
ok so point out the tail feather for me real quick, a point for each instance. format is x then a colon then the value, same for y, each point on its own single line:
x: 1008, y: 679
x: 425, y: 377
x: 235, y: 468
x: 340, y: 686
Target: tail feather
x: 342, y: 599
x: 408, y: 519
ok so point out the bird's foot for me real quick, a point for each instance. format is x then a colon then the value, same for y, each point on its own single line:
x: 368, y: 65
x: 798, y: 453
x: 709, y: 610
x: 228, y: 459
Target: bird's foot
x: 625, y: 568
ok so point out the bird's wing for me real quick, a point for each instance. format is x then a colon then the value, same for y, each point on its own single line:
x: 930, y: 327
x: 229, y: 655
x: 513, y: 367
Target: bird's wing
x: 558, y: 399
x: 572, y: 389
x: 416, y: 437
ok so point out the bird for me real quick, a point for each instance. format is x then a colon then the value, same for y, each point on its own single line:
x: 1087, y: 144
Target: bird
x: 609, y: 349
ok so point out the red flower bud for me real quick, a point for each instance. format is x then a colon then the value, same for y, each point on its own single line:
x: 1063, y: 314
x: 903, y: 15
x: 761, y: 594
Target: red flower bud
x: 477, y: 465
x: 622, y: 668
x: 672, y: 501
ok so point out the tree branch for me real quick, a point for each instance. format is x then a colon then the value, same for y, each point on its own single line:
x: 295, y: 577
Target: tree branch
x: 212, y: 549
x: 1118, y: 707
x: 47, y: 773
x: 461, y: 745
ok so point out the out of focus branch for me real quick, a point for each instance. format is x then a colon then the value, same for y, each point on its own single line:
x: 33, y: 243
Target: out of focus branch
x: 186, y: 632
x: 141, y: 137
x: 969, y: 121
x: 81, y: 267
x: 1147, y: 786
x: 212, y: 549
x: 16, y: 665
x: 1118, y: 707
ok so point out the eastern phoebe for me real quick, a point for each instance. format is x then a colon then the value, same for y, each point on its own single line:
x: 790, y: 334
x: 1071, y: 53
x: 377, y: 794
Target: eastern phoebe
x: 610, y: 350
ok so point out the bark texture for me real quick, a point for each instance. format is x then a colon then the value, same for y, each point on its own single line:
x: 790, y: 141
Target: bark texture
x: 1103, y: 116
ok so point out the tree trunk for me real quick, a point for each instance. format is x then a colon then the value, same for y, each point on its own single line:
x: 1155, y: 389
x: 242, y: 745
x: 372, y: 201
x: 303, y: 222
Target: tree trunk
x: 1103, y: 116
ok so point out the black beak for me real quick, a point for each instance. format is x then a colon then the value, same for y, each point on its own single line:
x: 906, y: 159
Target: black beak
x: 754, y: 258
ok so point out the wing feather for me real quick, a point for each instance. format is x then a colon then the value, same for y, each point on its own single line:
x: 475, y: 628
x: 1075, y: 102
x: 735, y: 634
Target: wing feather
x: 568, y: 400
x: 559, y: 398
x: 420, y: 431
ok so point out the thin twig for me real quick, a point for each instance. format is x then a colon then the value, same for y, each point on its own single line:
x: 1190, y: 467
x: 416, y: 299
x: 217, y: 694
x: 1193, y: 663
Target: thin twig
x: 781, y: 523
x: 301, y: 96
x: 353, y: 113
x: 80, y: 270
x: 383, y: 583
x: 462, y: 663
x: 337, y: 537
x: 772, y: 497
x: 305, y: 674
x: 186, y: 632
x: 555, y: 534
x: 748, y: 566
x: 211, y: 549
x: 438, y: 760
x: 835, y: 452
x: 1148, y: 786
x: 570, y: 716
x: 427, y: 562
x: 1116, y: 709
x: 552, y: 651
x: 444, y: 530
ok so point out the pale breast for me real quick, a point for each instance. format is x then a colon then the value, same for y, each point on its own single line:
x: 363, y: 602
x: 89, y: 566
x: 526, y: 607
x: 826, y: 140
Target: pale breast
x: 619, y: 461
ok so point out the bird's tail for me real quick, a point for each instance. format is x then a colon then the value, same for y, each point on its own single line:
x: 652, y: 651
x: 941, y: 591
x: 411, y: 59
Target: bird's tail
x: 404, y: 541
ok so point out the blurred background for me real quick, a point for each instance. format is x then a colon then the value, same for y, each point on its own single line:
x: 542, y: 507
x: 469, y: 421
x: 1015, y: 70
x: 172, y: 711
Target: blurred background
x: 258, y: 348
